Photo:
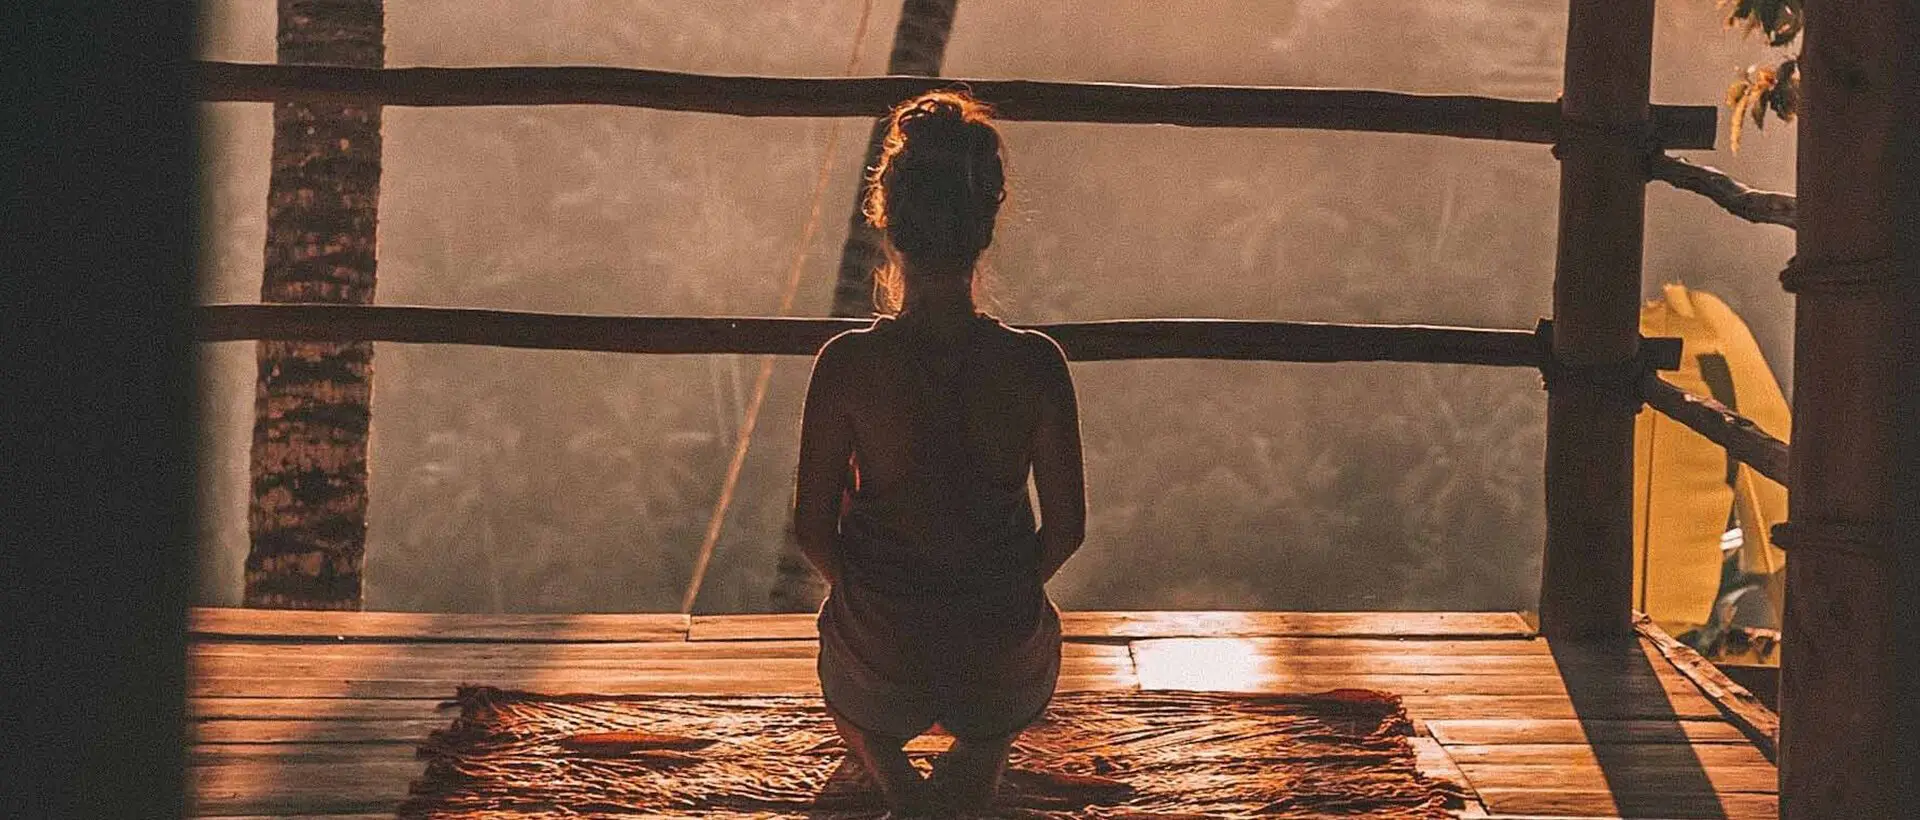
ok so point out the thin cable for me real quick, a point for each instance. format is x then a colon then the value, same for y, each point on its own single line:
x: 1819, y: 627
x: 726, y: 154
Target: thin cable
x: 765, y: 377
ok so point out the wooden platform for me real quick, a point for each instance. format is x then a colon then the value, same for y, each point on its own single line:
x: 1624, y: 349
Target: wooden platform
x: 309, y: 714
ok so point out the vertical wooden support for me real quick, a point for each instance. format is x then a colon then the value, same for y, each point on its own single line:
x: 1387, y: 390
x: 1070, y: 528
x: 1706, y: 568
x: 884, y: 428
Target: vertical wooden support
x: 1847, y: 690
x: 98, y: 439
x: 1587, y: 578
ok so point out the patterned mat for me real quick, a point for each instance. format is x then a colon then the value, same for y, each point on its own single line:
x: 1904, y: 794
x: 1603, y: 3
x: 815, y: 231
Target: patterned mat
x: 1155, y: 754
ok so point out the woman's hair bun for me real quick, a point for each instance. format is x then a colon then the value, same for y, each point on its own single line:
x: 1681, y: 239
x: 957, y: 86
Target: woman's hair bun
x: 940, y: 181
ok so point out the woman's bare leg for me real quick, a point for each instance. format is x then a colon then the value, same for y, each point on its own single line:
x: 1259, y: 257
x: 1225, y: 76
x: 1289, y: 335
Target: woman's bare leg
x: 906, y: 791
x: 970, y: 771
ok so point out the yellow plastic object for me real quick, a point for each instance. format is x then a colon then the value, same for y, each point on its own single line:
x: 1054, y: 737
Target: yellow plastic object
x: 1682, y: 495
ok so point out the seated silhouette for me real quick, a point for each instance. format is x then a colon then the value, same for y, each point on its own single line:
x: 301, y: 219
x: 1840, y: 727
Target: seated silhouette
x: 917, y: 441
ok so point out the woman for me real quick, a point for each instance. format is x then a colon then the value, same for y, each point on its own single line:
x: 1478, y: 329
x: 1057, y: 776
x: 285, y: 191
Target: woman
x: 916, y: 443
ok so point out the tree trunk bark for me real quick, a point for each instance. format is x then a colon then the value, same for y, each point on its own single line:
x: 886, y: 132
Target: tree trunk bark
x: 1848, y: 694
x: 1587, y: 577
x: 307, y: 519
x: 919, y: 45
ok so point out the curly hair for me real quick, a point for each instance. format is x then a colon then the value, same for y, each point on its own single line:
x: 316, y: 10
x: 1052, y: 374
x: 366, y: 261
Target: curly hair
x: 937, y: 188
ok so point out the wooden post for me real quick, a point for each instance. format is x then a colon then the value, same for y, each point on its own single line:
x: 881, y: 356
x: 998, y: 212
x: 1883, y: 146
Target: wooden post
x: 1847, y: 691
x: 1587, y: 577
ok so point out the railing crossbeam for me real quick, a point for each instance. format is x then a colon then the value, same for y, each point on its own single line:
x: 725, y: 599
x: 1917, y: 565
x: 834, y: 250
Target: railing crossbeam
x: 1674, y: 126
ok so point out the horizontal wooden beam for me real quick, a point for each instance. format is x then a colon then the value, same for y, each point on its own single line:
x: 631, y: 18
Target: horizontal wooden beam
x: 1732, y: 195
x: 1744, y: 440
x: 1030, y: 100
x: 1083, y: 341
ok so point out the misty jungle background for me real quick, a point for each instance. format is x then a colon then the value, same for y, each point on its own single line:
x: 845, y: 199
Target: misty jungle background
x: 552, y: 481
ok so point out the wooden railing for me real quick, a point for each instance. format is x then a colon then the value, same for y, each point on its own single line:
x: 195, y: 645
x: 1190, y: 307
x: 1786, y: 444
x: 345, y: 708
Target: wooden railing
x: 1744, y: 441
x: 1673, y: 126
x: 1223, y: 339
x: 1082, y: 341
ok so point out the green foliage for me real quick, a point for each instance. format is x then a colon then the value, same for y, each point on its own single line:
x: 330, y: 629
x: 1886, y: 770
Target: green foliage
x: 1760, y: 89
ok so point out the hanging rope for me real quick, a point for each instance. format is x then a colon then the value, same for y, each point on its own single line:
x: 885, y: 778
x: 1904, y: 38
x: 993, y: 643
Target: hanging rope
x: 761, y: 380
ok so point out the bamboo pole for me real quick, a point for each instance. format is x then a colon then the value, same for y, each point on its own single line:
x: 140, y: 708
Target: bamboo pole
x: 1744, y: 441
x: 1732, y: 195
x: 1847, y: 693
x: 1587, y: 575
x: 1675, y: 126
x: 1082, y: 341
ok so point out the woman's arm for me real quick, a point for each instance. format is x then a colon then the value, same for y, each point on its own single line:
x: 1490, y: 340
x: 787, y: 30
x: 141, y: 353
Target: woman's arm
x: 826, y: 445
x: 1058, y: 474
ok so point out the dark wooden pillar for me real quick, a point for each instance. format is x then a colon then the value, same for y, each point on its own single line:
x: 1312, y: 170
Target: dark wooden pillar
x: 96, y: 427
x: 1847, y: 728
x: 1587, y: 579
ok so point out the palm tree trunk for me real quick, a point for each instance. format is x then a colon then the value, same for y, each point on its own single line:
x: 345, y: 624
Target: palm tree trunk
x: 307, y: 521
x: 919, y: 45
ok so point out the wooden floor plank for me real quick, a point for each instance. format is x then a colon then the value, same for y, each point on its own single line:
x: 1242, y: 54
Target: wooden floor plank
x: 1742, y: 707
x: 1431, y: 759
x: 1233, y: 665
x: 288, y: 624
x: 1652, y: 803
x: 534, y: 654
x: 644, y: 680
x: 223, y: 754
x: 1678, y: 779
x: 315, y: 731
x: 1486, y: 732
x: 282, y: 788
x: 1556, y: 707
x: 461, y: 669
x: 384, y: 815
x: 1651, y: 754
x: 1126, y: 625
x: 254, y: 707
x: 1188, y: 657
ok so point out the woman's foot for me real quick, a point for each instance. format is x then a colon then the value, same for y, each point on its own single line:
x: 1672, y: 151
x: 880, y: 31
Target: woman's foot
x: 906, y: 792
x: 967, y: 777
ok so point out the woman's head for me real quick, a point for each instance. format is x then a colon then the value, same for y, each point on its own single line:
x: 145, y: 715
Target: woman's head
x: 937, y: 188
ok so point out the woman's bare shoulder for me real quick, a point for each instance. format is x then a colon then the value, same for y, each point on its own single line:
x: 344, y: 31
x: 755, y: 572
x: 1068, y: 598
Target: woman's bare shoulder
x: 1035, y: 346
x: 1034, y: 351
x: 846, y: 351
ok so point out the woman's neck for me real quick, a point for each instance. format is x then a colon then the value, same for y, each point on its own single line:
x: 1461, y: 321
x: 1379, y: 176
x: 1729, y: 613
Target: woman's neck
x: 938, y: 298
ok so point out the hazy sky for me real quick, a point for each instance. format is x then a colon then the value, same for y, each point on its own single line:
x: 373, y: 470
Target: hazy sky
x: 531, y: 481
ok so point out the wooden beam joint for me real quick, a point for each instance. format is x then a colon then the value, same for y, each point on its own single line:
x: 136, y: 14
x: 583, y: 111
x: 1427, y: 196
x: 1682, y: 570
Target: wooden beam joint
x: 1642, y: 138
x: 1621, y: 380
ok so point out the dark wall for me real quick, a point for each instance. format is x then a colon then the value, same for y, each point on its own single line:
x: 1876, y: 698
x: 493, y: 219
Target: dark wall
x: 96, y: 168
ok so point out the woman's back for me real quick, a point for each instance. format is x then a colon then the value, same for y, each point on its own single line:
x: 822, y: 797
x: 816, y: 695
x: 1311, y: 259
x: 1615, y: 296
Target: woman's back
x: 944, y: 422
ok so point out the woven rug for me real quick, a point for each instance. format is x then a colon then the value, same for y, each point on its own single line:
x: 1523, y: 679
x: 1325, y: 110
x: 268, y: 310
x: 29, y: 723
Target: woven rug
x: 1124, y: 754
